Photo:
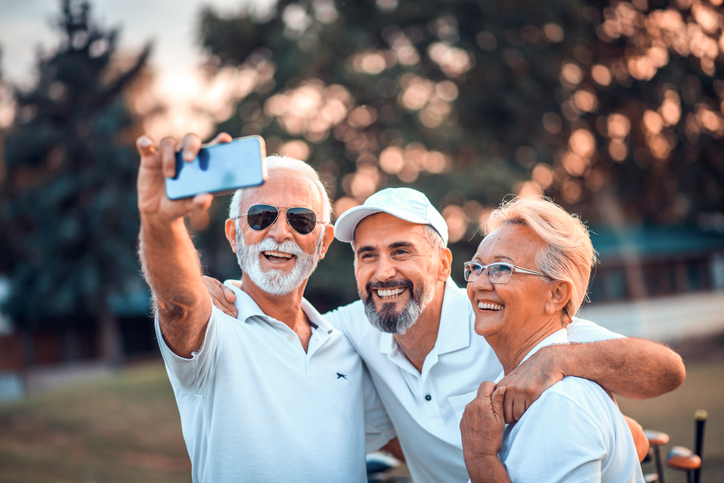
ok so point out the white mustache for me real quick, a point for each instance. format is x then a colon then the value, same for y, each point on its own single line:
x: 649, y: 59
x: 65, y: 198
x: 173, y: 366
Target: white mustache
x: 270, y: 245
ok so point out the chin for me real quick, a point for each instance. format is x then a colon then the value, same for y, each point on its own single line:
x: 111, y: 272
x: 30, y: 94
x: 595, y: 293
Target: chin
x: 486, y: 328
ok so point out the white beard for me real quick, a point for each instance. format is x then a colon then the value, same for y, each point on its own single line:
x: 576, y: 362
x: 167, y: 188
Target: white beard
x: 276, y: 282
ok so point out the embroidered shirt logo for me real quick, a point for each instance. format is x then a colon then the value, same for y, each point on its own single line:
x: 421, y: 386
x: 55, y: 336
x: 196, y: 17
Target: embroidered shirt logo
x: 342, y: 376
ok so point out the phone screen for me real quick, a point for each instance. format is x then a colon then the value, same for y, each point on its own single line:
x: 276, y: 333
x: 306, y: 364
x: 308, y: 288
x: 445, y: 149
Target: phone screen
x: 219, y: 168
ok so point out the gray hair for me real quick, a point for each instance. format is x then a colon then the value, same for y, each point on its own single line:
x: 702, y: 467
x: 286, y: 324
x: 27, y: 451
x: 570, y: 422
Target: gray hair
x: 277, y: 162
x: 568, y: 254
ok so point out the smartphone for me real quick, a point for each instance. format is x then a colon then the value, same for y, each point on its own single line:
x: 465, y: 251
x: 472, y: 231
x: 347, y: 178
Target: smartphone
x: 220, y: 168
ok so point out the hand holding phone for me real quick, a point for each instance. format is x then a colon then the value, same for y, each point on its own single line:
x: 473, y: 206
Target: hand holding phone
x: 219, y: 168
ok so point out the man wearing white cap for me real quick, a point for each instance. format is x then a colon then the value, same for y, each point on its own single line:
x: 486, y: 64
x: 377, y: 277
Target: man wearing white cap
x: 413, y: 328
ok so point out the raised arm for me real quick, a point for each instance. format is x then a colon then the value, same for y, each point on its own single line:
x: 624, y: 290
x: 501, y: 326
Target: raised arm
x: 169, y: 260
x: 632, y: 368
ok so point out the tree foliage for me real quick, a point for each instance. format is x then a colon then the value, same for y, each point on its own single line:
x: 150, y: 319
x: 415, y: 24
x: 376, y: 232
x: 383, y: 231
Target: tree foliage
x: 68, y: 203
x: 612, y: 108
x: 581, y: 100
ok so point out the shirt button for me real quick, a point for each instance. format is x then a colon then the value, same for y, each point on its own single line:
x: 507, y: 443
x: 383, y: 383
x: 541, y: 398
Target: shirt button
x: 290, y: 338
x: 428, y: 397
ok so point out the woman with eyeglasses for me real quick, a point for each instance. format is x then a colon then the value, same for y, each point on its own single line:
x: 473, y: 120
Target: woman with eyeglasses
x: 526, y: 281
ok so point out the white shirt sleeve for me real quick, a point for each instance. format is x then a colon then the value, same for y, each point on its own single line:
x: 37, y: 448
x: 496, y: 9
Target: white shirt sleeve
x: 555, y: 440
x: 378, y: 427
x: 195, y: 373
x: 581, y: 331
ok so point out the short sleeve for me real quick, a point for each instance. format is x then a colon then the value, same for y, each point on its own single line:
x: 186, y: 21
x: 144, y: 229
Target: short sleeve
x: 378, y: 427
x: 582, y: 331
x: 555, y: 440
x: 195, y: 373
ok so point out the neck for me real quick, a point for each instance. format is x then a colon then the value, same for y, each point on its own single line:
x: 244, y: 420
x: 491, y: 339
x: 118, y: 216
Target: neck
x: 284, y: 308
x: 512, y: 348
x: 419, y: 339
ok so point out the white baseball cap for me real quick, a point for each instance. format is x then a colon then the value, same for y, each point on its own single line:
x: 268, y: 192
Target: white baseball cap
x: 404, y: 203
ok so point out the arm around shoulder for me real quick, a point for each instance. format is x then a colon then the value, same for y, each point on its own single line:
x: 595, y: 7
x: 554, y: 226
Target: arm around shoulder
x: 633, y: 368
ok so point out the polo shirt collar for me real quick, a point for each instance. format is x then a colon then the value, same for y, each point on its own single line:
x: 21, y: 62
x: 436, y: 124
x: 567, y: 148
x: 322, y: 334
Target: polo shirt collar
x: 247, y: 308
x: 454, y: 331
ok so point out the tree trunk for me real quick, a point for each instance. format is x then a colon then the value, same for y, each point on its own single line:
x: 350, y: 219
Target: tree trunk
x: 110, y: 338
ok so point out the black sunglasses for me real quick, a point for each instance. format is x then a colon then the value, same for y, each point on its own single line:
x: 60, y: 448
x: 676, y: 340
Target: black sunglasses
x: 261, y: 217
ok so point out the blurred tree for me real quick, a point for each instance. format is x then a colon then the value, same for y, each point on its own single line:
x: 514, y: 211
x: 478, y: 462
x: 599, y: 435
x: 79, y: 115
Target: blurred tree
x: 610, y: 107
x: 68, y: 202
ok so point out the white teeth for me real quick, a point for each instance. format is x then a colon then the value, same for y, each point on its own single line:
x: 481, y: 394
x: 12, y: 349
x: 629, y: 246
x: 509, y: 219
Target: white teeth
x: 489, y: 306
x: 278, y: 254
x: 389, y: 293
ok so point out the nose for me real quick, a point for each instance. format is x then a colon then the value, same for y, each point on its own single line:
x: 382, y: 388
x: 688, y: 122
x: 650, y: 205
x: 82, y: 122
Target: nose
x: 385, y: 269
x: 482, y: 283
x: 280, y: 230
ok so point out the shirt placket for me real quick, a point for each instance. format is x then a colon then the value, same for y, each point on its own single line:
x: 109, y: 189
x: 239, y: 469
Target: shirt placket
x: 420, y: 384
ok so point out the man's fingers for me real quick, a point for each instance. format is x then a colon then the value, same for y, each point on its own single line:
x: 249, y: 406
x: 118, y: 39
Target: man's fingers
x: 190, y: 146
x: 221, y: 138
x: 497, y: 401
x: 236, y: 283
x: 229, y: 294
x: 519, y: 407
x: 200, y: 202
x: 508, y: 406
x: 168, y: 157
x: 218, y: 295
x: 144, y: 144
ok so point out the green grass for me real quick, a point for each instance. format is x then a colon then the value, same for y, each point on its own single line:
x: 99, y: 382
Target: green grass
x: 126, y: 427
x: 119, y: 428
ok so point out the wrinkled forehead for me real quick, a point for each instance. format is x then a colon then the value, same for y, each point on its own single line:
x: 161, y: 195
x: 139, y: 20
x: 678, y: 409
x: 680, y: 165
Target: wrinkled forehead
x: 284, y: 187
x: 513, y: 241
x: 381, y: 228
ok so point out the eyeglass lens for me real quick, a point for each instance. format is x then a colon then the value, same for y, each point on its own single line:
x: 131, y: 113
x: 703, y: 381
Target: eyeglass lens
x: 261, y: 217
x: 496, y: 272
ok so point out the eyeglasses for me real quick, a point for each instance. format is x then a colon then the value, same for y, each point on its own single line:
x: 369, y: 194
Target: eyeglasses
x: 499, y: 272
x: 261, y: 217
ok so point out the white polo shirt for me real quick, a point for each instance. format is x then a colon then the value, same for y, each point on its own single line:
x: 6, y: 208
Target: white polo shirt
x: 426, y: 407
x: 256, y: 407
x: 573, y: 432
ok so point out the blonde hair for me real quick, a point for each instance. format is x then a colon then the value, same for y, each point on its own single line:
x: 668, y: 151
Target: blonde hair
x: 568, y: 254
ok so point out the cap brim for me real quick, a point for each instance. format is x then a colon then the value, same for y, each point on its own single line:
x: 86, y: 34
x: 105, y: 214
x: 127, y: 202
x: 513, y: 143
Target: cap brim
x: 346, y: 224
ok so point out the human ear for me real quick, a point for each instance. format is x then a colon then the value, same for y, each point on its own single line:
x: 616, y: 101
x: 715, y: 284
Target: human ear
x: 445, y: 264
x: 230, y: 229
x: 328, y: 238
x: 559, y: 294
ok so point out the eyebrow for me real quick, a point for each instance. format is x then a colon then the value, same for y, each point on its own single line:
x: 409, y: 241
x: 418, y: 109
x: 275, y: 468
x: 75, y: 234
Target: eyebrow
x: 391, y: 246
x: 500, y: 257
x: 400, y: 244
x: 366, y: 248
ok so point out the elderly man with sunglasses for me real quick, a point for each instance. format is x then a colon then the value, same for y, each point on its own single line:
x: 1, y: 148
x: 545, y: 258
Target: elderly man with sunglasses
x: 275, y: 393
x: 413, y: 328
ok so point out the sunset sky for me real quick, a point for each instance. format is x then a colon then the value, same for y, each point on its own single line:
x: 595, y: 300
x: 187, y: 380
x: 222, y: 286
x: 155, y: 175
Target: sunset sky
x: 171, y: 24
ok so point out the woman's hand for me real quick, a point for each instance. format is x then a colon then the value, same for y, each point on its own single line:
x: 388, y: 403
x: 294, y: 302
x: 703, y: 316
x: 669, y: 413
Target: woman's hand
x: 482, y: 429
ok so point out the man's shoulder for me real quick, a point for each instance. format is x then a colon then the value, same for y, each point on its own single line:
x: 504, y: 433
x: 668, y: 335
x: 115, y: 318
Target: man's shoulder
x: 347, y: 315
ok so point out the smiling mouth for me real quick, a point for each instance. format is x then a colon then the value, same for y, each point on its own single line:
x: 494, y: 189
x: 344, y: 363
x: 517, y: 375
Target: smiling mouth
x: 390, y: 293
x: 277, y: 257
x: 489, y: 306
